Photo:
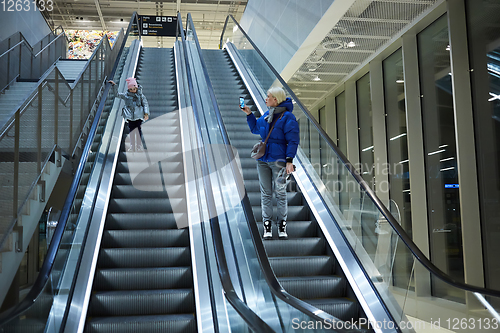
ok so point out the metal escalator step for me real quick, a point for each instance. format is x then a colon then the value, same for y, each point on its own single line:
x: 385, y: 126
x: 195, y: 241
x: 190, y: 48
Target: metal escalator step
x: 144, y: 205
x: 128, y: 221
x: 342, y: 308
x: 153, y: 156
x: 312, y: 287
x: 145, y: 238
x: 295, y: 247
x: 295, y: 229
x: 143, y: 278
x: 302, y: 266
x: 153, y: 177
x: 25, y: 325
x: 141, y: 302
x: 158, y: 191
x: 144, y: 257
x: 156, y: 143
x: 123, y: 167
x: 184, y: 323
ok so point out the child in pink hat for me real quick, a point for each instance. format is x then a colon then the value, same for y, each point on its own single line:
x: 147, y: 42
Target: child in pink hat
x: 135, y: 111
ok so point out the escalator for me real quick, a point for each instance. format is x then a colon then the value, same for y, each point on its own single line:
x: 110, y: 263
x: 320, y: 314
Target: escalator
x: 143, y: 280
x: 303, y: 264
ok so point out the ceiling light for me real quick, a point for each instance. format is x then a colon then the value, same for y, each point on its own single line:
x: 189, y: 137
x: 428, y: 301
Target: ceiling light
x: 367, y: 148
x: 448, y: 48
x: 317, y: 78
x: 400, y: 81
x: 351, y: 44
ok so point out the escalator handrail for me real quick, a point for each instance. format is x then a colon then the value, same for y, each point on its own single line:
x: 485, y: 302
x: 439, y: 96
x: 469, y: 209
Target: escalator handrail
x: 48, y: 263
x: 251, y: 319
x: 269, y: 275
x: 415, y: 250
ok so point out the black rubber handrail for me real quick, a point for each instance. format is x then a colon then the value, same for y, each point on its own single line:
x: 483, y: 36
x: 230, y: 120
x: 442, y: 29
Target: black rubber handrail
x: 252, y: 320
x: 269, y: 275
x: 48, y: 263
x: 417, y: 253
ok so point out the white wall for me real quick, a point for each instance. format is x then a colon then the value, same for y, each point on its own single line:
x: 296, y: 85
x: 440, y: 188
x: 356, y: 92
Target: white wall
x: 279, y: 27
x: 31, y: 24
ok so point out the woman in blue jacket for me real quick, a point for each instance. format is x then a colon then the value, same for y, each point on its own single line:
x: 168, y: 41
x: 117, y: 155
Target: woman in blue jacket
x: 281, y: 148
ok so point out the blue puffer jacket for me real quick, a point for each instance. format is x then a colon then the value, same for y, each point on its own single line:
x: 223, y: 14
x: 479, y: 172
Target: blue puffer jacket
x: 136, y: 104
x: 284, y: 140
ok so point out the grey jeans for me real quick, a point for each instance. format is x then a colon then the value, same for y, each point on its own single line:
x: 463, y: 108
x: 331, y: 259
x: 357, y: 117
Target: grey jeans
x: 268, y: 172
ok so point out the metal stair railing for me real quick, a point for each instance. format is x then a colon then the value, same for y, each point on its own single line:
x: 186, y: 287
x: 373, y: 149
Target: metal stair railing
x: 20, y: 60
x: 50, y: 122
x: 42, y: 287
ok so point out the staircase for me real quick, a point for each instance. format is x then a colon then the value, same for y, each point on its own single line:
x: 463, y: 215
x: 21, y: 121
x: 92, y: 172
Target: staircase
x: 143, y: 281
x: 12, y: 97
x: 304, y: 264
x: 34, y: 319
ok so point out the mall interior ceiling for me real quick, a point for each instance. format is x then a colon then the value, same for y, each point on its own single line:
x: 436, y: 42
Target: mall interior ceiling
x: 208, y: 16
x: 347, y: 37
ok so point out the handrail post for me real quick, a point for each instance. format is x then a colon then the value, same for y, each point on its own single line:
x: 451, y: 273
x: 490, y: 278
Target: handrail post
x: 81, y: 101
x: 39, y: 131
x: 90, y: 86
x: 71, y: 120
x: 31, y: 66
x: 56, y: 106
x: 41, y: 57
x: 20, y: 59
x: 8, y: 61
x: 16, y: 164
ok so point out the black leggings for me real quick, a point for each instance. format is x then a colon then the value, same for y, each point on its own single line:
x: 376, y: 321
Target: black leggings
x: 132, y: 125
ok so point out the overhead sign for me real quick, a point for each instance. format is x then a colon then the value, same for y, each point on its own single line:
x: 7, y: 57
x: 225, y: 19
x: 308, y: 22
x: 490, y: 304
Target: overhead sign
x: 158, y: 25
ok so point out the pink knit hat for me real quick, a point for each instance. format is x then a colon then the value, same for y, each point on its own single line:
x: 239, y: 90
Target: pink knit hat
x: 131, y: 82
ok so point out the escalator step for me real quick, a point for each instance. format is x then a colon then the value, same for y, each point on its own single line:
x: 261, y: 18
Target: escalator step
x: 302, y: 266
x: 144, y: 257
x: 143, y: 278
x: 295, y: 247
x: 314, y: 286
x: 342, y: 308
x: 128, y: 221
x: 145, y: 238
x: 150, y: 178
x: 149, y: 205
x: 141, y: 302
x: 156, y: 191
x: 185, y: 323
x: 295, y: 229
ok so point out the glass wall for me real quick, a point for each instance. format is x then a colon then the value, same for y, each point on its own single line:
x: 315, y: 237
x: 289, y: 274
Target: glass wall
x: 365, y: 133
x: 397, y: 155
x: 483, y: 23
x: 439, y: 153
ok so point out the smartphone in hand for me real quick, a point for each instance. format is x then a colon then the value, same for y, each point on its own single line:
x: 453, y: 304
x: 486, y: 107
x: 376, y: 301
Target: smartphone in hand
x: 242, y: 102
